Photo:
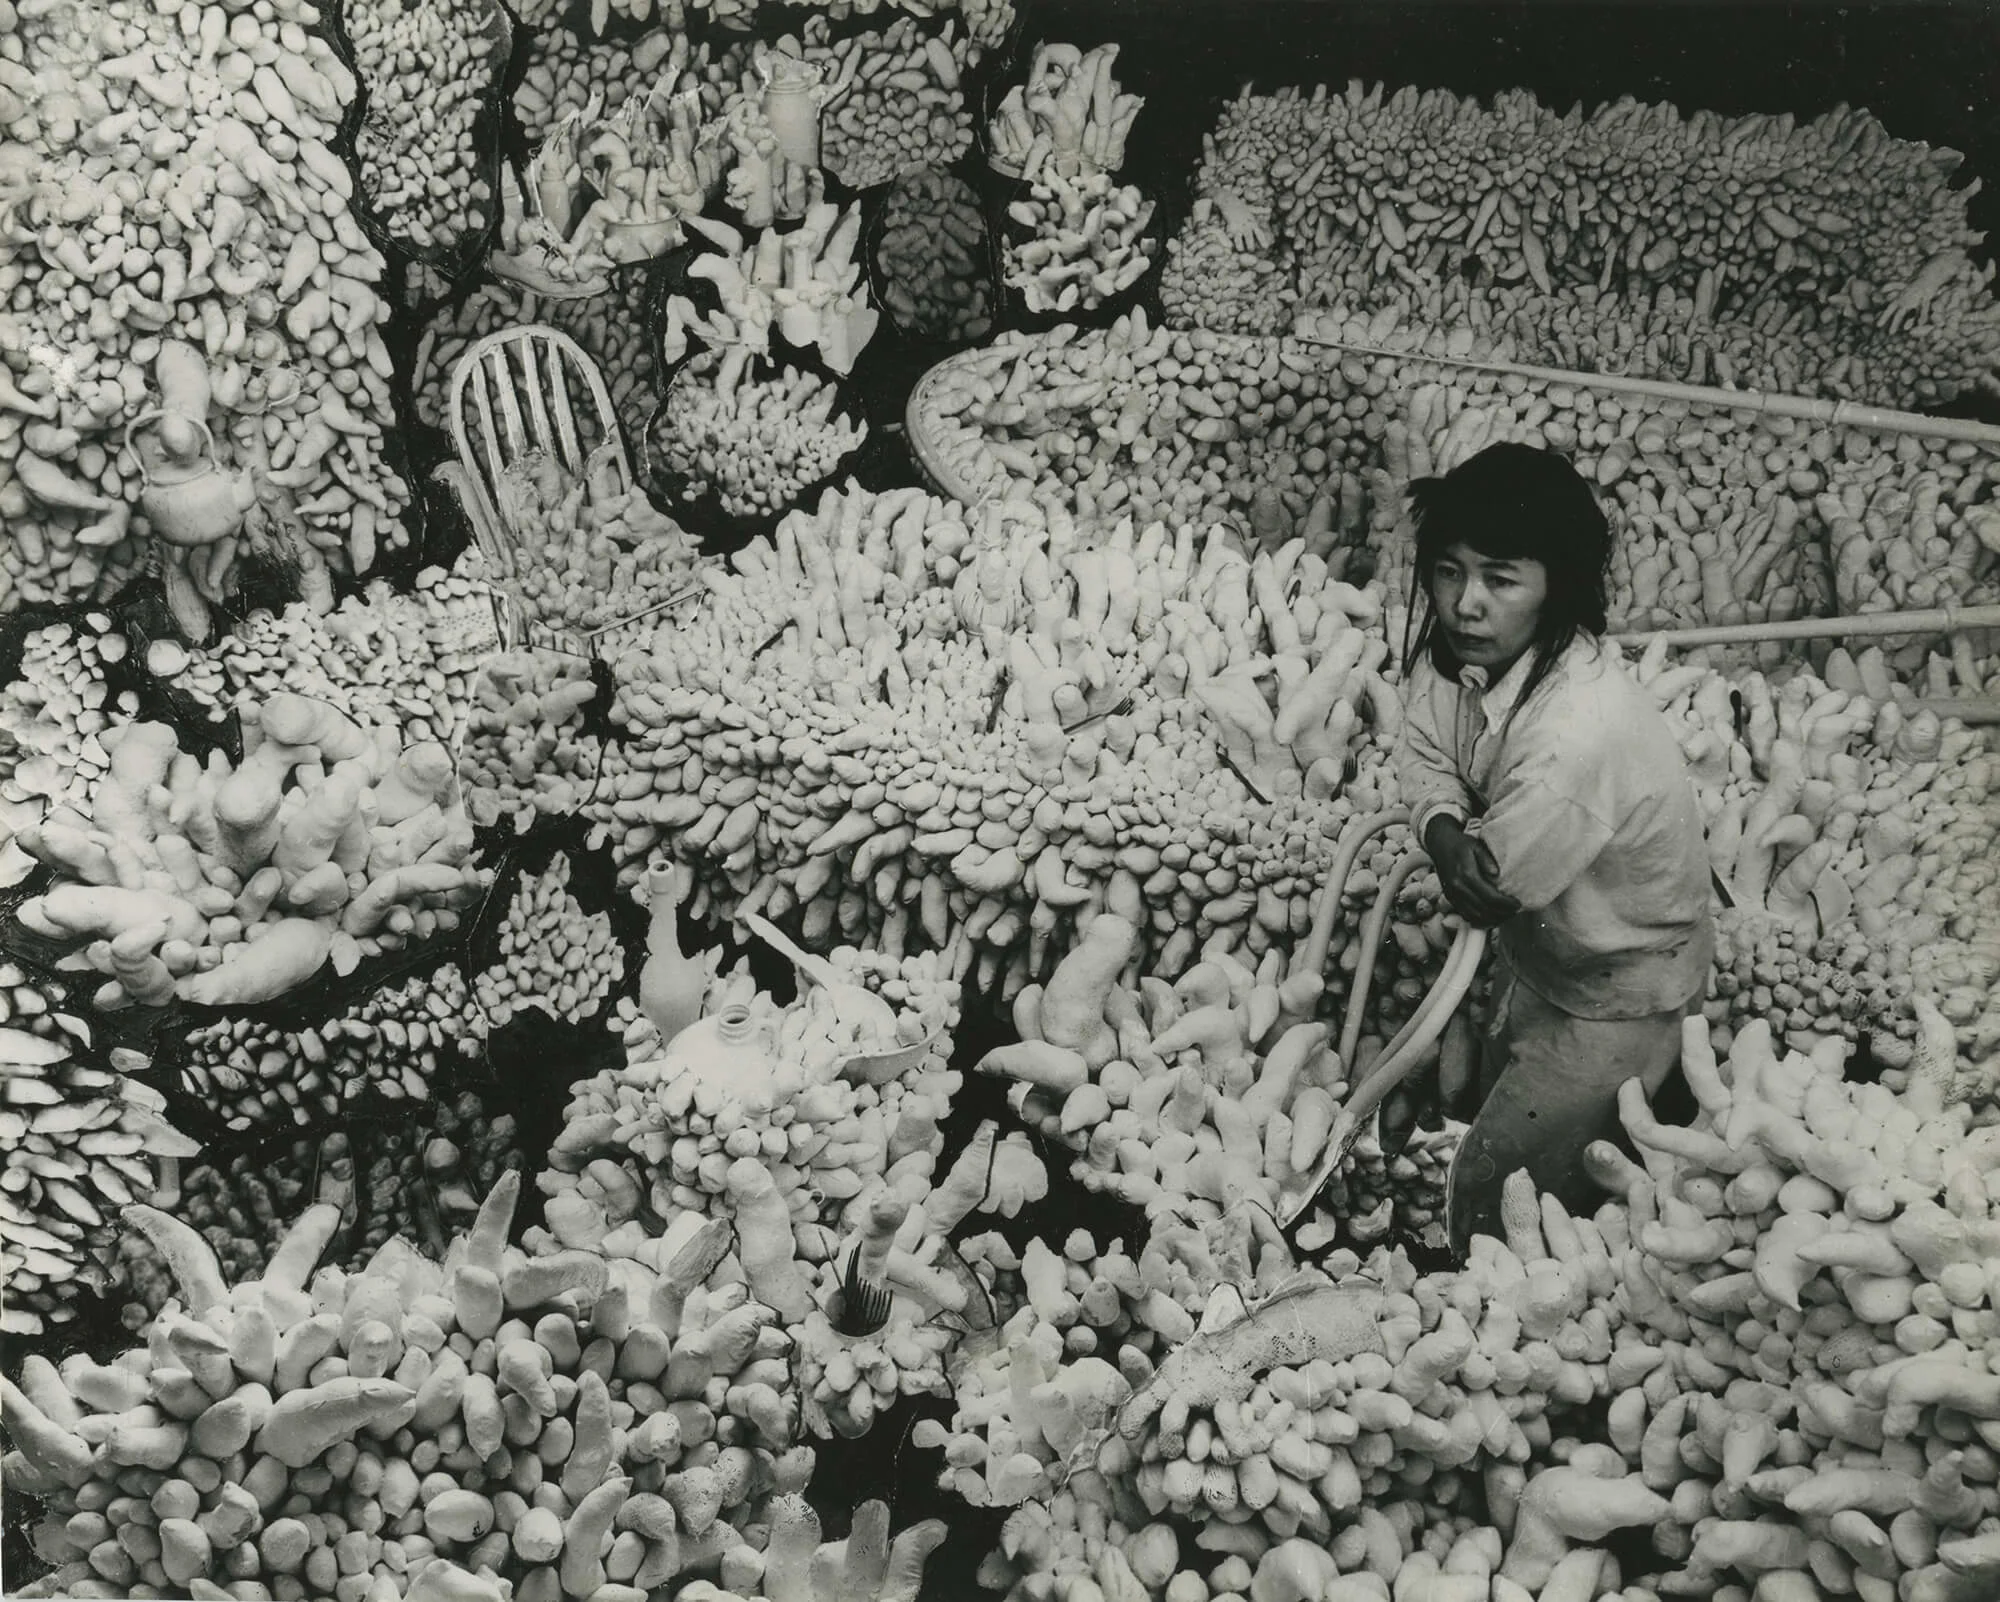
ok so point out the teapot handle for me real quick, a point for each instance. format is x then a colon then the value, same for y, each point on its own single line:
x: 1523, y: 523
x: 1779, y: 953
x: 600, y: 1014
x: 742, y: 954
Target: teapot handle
x: 153, y: 416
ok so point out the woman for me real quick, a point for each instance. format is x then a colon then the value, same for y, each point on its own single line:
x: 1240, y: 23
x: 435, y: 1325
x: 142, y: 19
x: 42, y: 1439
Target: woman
x: 1551, y: 795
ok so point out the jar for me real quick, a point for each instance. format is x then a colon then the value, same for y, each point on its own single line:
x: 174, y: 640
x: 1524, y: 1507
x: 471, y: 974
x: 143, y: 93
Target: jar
x: 792, y: 100
x: 730, y: 1052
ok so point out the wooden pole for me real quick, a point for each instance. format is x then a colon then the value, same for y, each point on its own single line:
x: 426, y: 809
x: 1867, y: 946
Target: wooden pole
x: 1833, y: 413
x: 1973, y: 711
x: 1938, y: 620
x: 688, y: 594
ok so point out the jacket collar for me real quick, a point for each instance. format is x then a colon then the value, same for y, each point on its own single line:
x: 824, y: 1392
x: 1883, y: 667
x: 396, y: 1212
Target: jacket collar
x: 1583, y: 659
x: 1497, y: 701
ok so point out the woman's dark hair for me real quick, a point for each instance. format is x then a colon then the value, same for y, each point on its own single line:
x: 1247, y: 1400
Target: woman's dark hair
x: 1513, y: 503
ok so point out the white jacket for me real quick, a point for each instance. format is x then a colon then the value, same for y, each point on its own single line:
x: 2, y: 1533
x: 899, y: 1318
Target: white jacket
x: 1583, y: 799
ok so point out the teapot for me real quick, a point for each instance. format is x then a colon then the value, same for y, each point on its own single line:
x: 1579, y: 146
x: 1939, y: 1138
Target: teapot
x: 188, y: 497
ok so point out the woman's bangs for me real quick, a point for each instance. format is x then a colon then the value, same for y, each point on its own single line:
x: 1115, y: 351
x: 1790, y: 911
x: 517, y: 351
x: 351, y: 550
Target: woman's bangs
x: 1498, y: 532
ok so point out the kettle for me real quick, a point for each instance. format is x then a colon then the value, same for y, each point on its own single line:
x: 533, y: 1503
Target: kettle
x: 187, y: 497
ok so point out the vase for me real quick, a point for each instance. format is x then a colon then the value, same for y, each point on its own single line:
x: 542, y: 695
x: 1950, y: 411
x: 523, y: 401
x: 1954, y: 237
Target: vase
x: 671, y: 984
x: 792, y: 100
x: 728, y: 1056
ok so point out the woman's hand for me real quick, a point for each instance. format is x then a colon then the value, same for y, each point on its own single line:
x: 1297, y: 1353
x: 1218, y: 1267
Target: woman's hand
x: 1470, y: 876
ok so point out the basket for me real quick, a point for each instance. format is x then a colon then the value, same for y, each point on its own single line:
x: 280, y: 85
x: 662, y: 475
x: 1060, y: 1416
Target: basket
x: 932, y: 459
x: 588, y: 733
x: 522, y: 271
x: 647, y: 241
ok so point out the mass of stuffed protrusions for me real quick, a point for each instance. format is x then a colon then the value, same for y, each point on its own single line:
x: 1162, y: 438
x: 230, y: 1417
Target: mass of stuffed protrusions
x: 814, y: 1130
x: 388, y: 658
x: 395, y: 1043
x: 80, y: 1142
x: 753, y: 446
x: 805, y: 285
x: 1194, y: 1098
x: 524, y: 752
x: 229, y: 884
x: 1015, y: 750
x: 429, y: 71
x: 1080, y: 239
x: 897, y: 105
x: 819, y: 1155
x: 1755, y: 1351
x: 609, y: 189
x: 53, y: 711
x: 1822, y: 257
x: 1068, y: 115
x: 553, y: 954
x: 1720, y: 515
x: 1849, y: 839
x: 168, y: 178
x: 495, y: 1420
x: 587, y: 552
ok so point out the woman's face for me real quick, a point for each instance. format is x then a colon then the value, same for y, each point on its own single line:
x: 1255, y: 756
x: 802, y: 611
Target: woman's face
x: 1488, y: 607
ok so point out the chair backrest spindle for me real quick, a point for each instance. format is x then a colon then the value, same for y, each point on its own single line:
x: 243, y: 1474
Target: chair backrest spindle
x: 566, y: 418
x: 534, y: 376
x: 520, y: 383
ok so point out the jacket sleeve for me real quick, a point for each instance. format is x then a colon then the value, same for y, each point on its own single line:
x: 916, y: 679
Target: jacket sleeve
x: 1551, y: 815
x: 1430, y: 780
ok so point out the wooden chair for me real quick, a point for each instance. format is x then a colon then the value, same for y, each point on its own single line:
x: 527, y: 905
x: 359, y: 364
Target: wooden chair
x: 513, y: 394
